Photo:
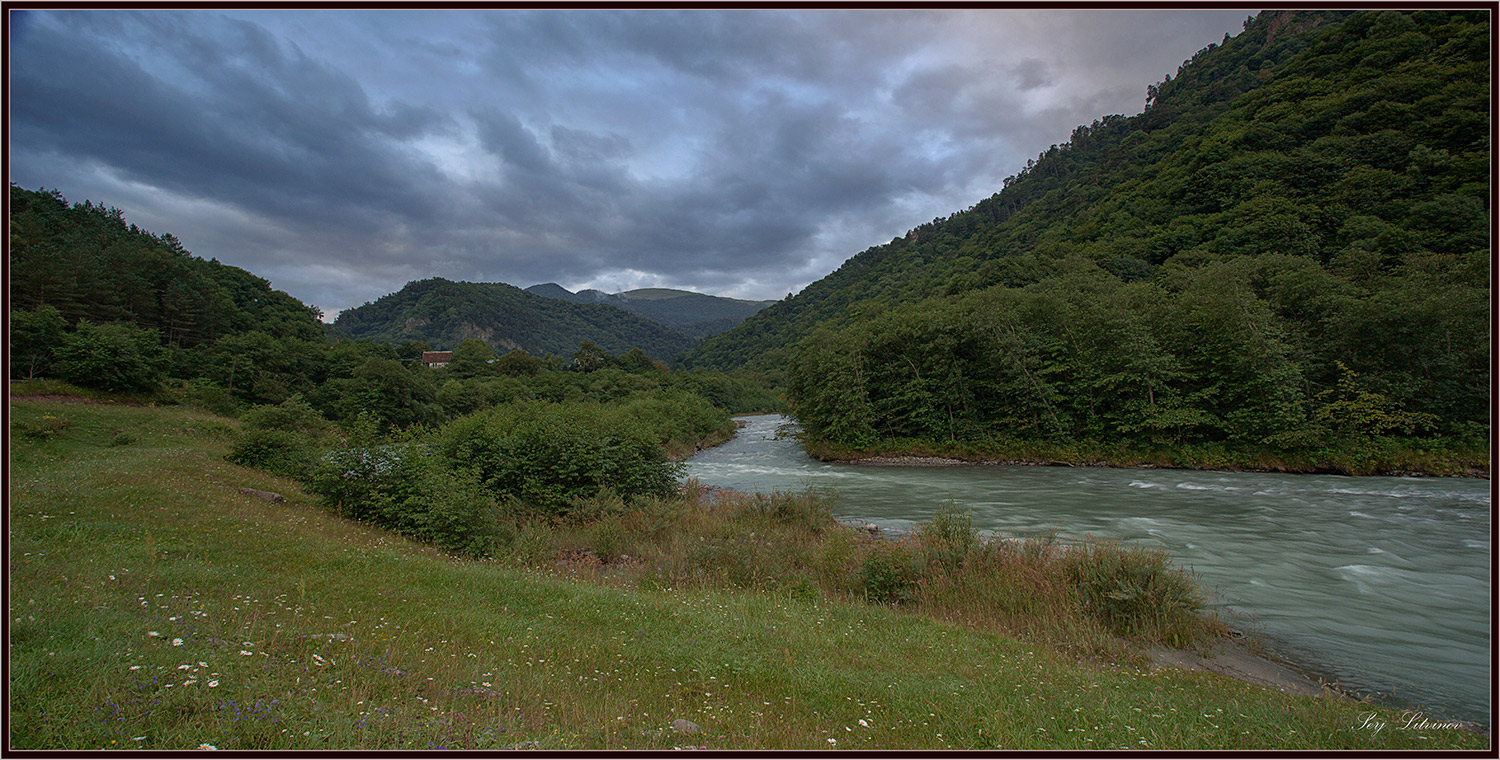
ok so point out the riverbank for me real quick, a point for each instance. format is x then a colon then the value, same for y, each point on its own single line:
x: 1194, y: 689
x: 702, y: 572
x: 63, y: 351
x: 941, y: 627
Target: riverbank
x: 1379, y: 458
x: 1342, y: 576
x: 199, y: 614
x: 1229, y: 653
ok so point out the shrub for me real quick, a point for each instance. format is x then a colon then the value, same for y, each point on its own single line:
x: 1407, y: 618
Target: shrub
x: 678, y: 418
x: 655, y: 517
x: 453, y: 511
x: 281, y: 438
x: 404, y: 487
x: 607, y: 538
x: 550, y: 455
x: 810, y: 511
x: 203, y: 393
x: 281, y: 452
x: 357, y: 481
x: 601, y: 506
x: 889, y: 575
x: 293, y: 415
x: 534, y: 543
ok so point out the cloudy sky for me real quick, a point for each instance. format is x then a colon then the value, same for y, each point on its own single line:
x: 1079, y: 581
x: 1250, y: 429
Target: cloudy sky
x: 342, y: 153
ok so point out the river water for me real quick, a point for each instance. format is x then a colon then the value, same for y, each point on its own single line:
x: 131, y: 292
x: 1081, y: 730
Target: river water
x: 1381, y: 585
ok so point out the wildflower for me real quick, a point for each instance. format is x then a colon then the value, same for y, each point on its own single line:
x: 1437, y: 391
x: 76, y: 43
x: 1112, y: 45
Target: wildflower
x: 206, y: 746
x: 863, y: 723
x: 212, y: 684
x: 153, y: 634
x: 245, y: 653
x: 176, y: 642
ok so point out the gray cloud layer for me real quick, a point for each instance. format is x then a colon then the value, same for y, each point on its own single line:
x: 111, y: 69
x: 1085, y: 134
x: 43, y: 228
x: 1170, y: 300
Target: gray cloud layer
x: 342, y: 153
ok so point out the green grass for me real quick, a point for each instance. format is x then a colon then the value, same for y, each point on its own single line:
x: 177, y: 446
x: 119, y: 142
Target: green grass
x: 302, y: 631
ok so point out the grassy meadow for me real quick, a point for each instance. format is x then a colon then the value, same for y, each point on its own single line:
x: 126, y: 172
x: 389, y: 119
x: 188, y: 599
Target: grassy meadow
x: 155, y: 605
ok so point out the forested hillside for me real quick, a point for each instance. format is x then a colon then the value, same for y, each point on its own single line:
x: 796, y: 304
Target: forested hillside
x: 87, y: 262
x: 442, y: 313
x: 1287, y: 248
x: 694, y: 314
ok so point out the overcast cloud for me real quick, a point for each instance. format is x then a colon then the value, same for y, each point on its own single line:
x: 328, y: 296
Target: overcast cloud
x: 342, y: 153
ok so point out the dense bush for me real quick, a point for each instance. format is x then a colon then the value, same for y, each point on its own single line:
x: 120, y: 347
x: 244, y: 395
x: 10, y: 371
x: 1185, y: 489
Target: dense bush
x: 293, y: 415
x: 406, y: 487
x: 284, y: 438
x: 679, y: 419
x: 205, y: 394
x: 551, y: 454
x: 112, y: 357
x: 281, y: 452
x: 889, y: 574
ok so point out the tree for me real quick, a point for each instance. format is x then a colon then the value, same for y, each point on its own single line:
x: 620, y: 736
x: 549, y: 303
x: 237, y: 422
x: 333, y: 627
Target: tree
x: 589, y: 357
x: 826, y: 389
x: 112, y: 357
x: 411, y: 351
x: 34, y: 338
x: 1353, y: 411
x: 471, y: 358
x: 518, y: 363
x: 394, y: 396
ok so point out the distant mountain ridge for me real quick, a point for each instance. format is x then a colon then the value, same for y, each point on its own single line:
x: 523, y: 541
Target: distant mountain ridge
x: 695, y: 314
x: 443, y: 313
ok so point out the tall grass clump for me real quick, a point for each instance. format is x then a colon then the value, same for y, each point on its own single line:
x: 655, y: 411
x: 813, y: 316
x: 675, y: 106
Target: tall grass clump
x: 1136, y: 591
x: 1088, y: 598
x: 949, y: 540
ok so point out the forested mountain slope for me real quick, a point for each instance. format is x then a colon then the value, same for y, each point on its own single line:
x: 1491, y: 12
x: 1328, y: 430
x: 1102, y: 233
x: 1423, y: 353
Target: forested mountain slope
x: 1290, y: 243
x: 694, y: 314
x: 1274, y: 140
x: 87, y: 262
x: 442, y: 313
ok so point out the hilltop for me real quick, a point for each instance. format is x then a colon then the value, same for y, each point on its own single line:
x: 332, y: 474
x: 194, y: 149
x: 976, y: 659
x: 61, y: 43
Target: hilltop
x: 443, y: 313
x: 694, y: 314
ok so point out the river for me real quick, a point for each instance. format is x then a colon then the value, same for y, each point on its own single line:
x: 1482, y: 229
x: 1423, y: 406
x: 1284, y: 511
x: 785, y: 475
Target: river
x: 1381, y: 585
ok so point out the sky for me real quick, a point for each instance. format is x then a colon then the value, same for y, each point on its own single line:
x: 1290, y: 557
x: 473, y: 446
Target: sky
x: 342, y: 153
